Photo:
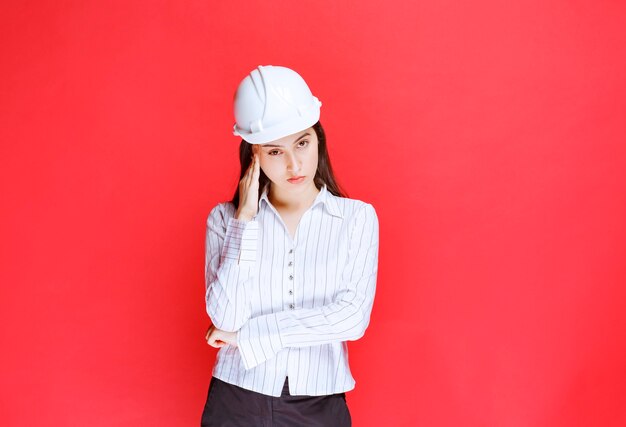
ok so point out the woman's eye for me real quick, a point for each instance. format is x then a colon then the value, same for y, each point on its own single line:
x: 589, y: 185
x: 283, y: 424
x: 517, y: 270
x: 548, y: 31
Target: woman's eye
x: 273, y: 152
x: 303, y: 143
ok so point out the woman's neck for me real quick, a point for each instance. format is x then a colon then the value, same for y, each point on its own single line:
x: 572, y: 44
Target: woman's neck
x: 285, y: 201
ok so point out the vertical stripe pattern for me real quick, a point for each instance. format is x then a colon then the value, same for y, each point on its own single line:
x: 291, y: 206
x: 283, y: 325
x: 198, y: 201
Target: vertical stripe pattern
x: 295, y: 302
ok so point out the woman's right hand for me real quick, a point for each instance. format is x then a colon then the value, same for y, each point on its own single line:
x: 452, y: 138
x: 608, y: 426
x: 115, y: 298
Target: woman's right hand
x: 249, y: 189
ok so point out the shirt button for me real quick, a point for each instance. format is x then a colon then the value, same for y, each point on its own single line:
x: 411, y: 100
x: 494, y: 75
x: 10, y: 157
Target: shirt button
x: 290, y: 292
x: 290, y: 251
x: 290, y: 263
x: 291, y: 306
x: 290, y: 277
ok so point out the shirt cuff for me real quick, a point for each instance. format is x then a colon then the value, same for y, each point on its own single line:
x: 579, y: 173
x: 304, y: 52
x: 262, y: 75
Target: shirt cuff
x: 259, y: 340
x: 240, y: 242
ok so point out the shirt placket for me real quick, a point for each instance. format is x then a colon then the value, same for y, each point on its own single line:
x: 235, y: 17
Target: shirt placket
x: 291, y: 303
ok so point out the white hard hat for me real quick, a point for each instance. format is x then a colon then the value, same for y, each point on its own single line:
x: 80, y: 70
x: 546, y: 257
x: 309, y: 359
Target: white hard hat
x: 271, y: 103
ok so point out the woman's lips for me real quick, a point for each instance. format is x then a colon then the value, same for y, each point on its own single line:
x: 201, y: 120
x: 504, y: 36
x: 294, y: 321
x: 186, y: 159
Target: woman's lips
x: 296, y: 180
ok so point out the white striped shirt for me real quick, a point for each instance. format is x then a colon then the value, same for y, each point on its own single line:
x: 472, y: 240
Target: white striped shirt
x: 295, y: 302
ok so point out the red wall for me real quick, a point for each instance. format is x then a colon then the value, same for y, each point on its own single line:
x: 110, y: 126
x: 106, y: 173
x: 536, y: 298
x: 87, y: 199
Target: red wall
x: 489, y: 136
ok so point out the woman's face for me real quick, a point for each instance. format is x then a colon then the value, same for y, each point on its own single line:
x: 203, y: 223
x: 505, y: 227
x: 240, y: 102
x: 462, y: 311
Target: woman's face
x: 294, y: 156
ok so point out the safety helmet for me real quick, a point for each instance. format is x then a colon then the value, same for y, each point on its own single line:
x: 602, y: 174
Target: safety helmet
x: 271, y: 103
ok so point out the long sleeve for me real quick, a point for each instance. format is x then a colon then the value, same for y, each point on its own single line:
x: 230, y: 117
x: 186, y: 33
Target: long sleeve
x: 230, y: 254
x: 345, y: 318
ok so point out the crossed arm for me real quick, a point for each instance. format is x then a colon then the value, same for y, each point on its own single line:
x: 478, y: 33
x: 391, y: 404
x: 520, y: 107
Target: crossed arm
x: 230, y: 255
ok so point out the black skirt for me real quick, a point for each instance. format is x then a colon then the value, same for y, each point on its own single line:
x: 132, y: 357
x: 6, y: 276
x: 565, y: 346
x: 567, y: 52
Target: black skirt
x: 228, y: 405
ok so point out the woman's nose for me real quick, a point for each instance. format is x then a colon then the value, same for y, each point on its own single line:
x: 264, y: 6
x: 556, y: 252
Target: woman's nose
x: 293, y: 165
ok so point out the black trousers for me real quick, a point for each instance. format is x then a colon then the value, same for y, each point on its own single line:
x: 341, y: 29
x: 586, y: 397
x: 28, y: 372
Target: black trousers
x: 230, y: 406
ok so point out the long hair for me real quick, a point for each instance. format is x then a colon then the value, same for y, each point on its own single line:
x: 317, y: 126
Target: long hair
x: 323, y: 175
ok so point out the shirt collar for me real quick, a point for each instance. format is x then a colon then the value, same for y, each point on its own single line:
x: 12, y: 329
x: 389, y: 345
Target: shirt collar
x: 328, y: 199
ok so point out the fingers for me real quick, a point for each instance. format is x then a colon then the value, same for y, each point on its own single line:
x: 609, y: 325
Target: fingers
x: 257, y: 167
x: 249, y: 186
x: 212, y: 342
x: 213, y: 338
x: 247, y: 178
x: 250, y: 173
x: 215, y: 343
x: 254, y: 171
x: 255, y: 164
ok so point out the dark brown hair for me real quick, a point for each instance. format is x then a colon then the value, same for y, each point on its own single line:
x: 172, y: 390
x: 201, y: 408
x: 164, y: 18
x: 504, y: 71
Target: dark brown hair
x: 323, y: 175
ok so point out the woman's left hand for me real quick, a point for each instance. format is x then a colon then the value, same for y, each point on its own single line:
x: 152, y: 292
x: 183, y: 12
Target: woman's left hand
x: 218, y: 338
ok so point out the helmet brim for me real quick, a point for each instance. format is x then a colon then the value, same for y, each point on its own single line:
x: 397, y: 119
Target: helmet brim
x: 280, y: 130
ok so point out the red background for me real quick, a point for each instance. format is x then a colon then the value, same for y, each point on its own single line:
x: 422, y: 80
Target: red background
x: 489, y: 136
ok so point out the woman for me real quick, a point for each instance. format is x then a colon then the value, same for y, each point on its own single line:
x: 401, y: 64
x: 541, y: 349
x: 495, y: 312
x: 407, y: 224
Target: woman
x: 290, y: 273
